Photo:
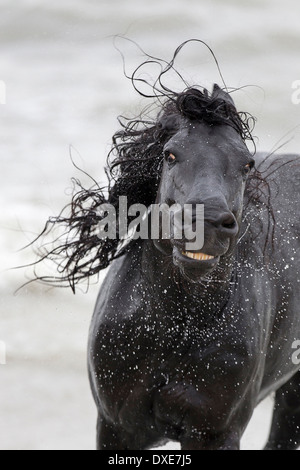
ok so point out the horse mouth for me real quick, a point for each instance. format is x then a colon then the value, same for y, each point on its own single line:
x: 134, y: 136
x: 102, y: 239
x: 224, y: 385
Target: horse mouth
x: 194, y: 266
x: 197, y: 256
x: 199, y: 262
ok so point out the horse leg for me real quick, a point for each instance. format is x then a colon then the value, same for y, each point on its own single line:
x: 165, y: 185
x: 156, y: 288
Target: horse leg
x: 285, y: 429
x: 210, y: 444
x: 109, y: 437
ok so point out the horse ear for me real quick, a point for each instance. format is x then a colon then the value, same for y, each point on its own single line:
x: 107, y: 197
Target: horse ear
x: 222, y: 95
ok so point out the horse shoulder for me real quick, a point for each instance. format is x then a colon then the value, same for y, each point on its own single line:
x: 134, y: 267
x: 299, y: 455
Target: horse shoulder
x: 119, y: 296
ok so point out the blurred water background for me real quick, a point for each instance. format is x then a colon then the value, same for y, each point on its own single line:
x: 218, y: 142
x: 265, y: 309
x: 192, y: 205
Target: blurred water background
x: 65, y: 87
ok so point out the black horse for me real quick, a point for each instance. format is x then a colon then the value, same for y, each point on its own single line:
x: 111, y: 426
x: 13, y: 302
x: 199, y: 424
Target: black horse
x: 184, y: 344
x: 183, y: 347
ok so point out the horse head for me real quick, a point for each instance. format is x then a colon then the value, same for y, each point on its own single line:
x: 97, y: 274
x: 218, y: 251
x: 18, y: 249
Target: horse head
x: 206, y: 161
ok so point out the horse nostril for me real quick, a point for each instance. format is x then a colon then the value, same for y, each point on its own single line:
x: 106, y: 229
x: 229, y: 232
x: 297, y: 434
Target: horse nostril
x: 228, y: 222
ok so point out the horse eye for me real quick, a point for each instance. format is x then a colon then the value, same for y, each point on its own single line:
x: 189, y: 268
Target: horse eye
x: 170, y: 158
x: 248, y: 168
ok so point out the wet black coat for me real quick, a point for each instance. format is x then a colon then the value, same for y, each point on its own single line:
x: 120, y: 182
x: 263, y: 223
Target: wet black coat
x: 172, y: 359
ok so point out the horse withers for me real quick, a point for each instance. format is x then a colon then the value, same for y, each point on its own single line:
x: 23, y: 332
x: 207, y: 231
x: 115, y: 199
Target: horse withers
x: 184, y: 344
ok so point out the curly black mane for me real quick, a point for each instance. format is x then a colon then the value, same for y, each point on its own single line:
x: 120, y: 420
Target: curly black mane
x: 133, y: 170
x: 137, y: 147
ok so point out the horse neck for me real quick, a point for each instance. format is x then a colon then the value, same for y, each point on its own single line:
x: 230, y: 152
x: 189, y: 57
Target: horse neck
x: 170, y: 289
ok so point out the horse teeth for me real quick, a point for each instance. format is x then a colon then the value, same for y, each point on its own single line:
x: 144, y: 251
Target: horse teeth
x: 197, y: 256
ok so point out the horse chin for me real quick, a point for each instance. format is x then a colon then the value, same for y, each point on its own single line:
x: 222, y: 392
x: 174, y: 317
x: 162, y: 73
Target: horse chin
x: 191, y: 277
